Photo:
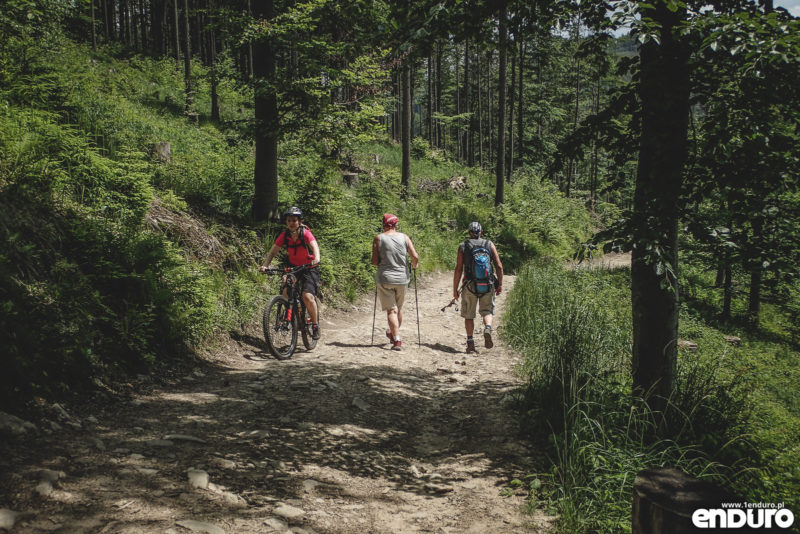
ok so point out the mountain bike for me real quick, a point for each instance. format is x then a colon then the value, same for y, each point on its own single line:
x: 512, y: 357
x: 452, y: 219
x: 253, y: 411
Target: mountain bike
x: 285, y: 317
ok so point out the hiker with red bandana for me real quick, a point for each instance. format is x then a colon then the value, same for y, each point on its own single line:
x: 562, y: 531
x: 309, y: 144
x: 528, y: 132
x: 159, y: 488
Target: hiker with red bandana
x: 390, y: 250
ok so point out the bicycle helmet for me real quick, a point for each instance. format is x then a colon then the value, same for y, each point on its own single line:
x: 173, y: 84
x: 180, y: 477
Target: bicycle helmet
x: 294, y: 211
x: 475, y: 229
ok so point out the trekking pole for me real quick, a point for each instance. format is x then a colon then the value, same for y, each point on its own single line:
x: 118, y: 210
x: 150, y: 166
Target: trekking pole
x: 374, y: 308
x: 455, y: 299
x: 416, y: 302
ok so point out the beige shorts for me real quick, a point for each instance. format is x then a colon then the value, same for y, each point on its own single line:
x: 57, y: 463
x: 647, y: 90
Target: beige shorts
x: 391, y: 295
x: 469, y: 301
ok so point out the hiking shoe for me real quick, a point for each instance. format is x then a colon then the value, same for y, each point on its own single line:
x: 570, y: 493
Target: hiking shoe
x: 397, y: 345
x: 487, y: 337
x: 471, y: 347
x: 389, y: 335
x: 315, y: 331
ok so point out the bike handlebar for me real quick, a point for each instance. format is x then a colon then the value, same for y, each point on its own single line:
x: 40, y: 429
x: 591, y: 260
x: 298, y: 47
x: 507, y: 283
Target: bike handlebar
x: 291, y: 270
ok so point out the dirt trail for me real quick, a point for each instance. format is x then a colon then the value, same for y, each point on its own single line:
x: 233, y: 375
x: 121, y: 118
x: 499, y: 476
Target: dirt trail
x: 348, y: 438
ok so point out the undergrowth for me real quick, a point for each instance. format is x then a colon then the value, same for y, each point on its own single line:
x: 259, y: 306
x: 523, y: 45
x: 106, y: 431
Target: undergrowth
x: 574, y: 329
x: 114, y: 259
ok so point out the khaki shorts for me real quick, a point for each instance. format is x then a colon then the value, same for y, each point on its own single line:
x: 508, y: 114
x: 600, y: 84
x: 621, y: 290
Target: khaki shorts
x: 391, y: 295
x: 469, y: 301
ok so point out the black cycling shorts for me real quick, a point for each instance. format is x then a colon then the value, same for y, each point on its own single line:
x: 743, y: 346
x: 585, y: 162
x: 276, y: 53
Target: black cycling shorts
x: 309, y: 280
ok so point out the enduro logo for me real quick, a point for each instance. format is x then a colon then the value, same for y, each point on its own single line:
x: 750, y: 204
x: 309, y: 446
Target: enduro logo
x: 738, y: 515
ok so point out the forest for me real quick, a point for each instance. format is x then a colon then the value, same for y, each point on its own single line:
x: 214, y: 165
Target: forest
x: 148, y: 149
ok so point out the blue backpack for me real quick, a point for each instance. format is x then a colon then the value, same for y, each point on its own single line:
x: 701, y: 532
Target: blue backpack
x: 478, y: 265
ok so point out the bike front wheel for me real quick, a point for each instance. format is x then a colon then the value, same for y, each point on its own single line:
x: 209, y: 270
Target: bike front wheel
x: 280, y: 331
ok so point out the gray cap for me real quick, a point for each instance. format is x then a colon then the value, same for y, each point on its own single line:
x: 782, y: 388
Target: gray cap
x: 475, y: 228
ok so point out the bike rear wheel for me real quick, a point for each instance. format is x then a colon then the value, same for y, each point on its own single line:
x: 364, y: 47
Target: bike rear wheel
x: 280, y: 331
x: 308, y: 342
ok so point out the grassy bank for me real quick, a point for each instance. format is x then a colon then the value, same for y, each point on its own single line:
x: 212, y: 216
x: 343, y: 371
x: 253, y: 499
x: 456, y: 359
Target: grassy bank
x: 731, y: 419
x: 114, y: 260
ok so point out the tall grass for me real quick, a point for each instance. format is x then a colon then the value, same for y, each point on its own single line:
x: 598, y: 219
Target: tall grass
x: 574, y: 330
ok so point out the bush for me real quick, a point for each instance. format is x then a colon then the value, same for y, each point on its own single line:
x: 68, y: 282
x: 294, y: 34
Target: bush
x: 574, y: 329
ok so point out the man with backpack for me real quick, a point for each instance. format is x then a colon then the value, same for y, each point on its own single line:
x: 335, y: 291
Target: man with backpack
x: 390, y: 250
x: 480, y: 284
x: 303, y: 249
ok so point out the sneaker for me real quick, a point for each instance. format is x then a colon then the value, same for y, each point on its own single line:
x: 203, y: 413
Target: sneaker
x: 471, y: 347
x: 397, y: 345
x: 487, y: 337
x: 315, y: 331
x: 389, y: 335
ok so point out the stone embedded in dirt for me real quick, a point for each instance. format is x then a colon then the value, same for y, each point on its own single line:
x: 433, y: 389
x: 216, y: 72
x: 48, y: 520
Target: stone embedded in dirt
x: 200, y: 526
x: 8, y: 518
x: 14, y: 426
x: 48, y: 475
x: 257, y: 434
x: 360, y: 404
x: 98, y: 443
x: 182, y: 437
x: 159, y: 443
x: 44, y: 488
x: 276, y: 524
x: 147, y: 471
x: 310, y: 485
x: 135, y: 457
x: 288, y: 511
x: 233, y: 499
x: 197, y: 478
x: 223, y: 463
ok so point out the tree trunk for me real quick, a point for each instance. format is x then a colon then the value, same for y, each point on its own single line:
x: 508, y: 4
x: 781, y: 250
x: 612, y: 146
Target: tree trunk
x: 134, y: 23
x: 177, y: 25
x: 727, y: 293
x: 157, y: 13
x: 501, y: 112
x: 520, y: 112
x: 187, y: 57
x: 212, y: 48
x: 123, y: 34
x: 438, y: 101
x: 143, y: 24
x: 405, y: 98
x: 429, y: 88
x: 480, y: 115
x: 200, y: 51
x: 466, y: 136
x: 265, y: 199
x: 104, y: 14
x: 754, y: 300
x: 511, y: 119
x: 94, y: 24
x: 664, y: 95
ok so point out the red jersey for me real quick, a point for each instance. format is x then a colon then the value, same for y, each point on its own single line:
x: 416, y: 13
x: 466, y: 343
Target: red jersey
x: 299, y: 252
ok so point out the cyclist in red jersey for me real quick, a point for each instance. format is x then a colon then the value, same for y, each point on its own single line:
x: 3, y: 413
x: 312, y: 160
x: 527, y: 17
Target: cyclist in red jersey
x: 303, y: 249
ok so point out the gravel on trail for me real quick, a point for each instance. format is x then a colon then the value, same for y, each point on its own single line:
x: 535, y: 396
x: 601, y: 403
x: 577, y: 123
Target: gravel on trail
x: 347, y: 438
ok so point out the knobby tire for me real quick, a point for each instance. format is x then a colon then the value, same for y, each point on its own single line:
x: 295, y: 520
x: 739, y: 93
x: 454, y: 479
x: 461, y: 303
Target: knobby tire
x: 308, y: 342
x: 280, y: 333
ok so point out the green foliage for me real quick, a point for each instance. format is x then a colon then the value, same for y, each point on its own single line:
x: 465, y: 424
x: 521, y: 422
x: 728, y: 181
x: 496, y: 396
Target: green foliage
x: 574, y: 329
